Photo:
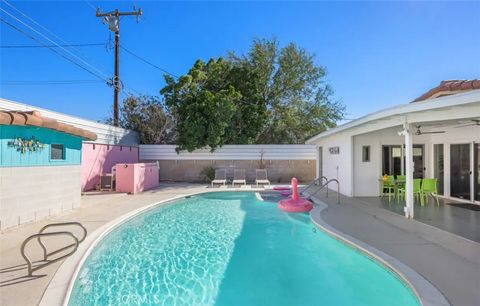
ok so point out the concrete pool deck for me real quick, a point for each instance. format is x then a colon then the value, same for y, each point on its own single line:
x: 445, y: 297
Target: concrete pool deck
x: 449, y: 262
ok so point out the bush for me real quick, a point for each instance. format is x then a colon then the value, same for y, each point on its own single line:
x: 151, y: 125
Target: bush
x: 208, y: 174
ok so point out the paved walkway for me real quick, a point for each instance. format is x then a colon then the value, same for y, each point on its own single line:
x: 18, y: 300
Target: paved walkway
x: 449, y: 262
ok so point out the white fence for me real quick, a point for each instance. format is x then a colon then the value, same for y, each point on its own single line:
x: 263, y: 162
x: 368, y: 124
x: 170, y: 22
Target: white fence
x: 231, y: 152
x: 106, y: 134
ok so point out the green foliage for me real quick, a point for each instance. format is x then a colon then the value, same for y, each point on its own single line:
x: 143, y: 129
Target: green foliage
x: 203, y: 104
x: 288, y: 82
x: 149, y: 117
x: 268, y: 95
x: 208, y: 174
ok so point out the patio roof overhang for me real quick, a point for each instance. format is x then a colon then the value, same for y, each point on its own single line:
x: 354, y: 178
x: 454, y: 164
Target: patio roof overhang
x: 461, y: 106
x: 34, y: 118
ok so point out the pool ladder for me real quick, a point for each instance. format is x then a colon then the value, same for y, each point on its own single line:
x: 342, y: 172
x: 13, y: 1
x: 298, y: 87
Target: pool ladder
x: 317, y: 181
x: 327, y: 182
x: 40, y: 234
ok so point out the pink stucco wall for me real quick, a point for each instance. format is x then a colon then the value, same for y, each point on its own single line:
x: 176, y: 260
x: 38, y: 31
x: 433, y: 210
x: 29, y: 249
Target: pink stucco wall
x: 100, y: 158
x: 134, y: 178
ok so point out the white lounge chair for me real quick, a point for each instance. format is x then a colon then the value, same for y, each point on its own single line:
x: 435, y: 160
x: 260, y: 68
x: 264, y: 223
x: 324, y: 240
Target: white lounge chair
x: 239, y: 177
x: 261, y: 177
x: 220, y: 177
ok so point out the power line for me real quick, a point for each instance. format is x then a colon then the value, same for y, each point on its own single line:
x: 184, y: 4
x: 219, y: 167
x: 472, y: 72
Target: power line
x: 52, y: 46
x: 106, y: 79
x: 148, y: 62
x: 44, y: 36
x: 90, y: 5
x: 47, y: 82
x: 52, y: 49
x: 38, y: 24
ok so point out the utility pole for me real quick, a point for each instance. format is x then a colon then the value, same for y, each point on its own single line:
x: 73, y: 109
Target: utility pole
x: 113, y: 20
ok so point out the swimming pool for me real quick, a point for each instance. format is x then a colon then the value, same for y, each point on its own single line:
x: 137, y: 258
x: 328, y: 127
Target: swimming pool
x: 230, y: 248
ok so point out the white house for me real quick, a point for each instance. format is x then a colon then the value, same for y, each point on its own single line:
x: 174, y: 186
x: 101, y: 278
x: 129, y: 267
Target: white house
x: 435, y: 136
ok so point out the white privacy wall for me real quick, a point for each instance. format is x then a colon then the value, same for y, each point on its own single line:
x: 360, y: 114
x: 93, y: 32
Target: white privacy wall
x: 231, y: 152
x: 107, y: 134
x: 338, y: 166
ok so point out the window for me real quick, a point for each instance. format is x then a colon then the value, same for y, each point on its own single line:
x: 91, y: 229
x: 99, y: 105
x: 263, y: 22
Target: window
x: 57, y: 152
x: 365, y: 153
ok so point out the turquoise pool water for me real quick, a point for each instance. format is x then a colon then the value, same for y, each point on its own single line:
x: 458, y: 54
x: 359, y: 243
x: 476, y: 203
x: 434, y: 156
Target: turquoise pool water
x: 230, y: 249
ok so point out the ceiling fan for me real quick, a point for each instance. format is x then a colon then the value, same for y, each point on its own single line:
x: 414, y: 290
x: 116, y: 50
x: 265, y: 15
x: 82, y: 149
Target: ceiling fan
x: 474, y: 122
x: 419, y: 132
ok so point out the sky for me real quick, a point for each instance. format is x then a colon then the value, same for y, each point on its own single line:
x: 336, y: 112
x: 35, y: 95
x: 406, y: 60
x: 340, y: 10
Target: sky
x: 377, y: 54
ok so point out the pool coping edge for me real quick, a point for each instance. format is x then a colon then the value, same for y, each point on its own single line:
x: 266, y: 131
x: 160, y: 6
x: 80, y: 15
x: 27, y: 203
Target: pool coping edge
x: 60, y: 287
x: 426, y: 292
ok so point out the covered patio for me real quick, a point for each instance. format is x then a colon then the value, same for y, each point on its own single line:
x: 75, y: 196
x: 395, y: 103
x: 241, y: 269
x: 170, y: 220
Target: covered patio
x: 449, y: 216
x: 432, y: 142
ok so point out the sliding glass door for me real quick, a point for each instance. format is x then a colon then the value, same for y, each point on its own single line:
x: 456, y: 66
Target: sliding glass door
x: 460, y: 171
x: 393, y: 160
x: 438, y: 164
x: 476, y: 168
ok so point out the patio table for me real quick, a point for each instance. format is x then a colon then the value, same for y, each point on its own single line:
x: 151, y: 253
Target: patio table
x: 396, y: 182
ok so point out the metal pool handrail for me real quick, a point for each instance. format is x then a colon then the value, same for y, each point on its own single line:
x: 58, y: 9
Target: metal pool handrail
x: 318, y: 179
x: 325, y: 185
x: 29, y: 262
x: 45, y: 254
x: 40, y: 234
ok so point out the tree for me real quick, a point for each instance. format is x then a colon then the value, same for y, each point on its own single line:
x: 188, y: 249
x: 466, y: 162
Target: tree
x: 150, y: 118
x: 292, y: 87
x: 268, y: 95
x: 203, y: 103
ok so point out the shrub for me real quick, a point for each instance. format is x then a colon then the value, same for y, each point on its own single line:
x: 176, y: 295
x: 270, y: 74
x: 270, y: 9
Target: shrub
x: 208, y: 174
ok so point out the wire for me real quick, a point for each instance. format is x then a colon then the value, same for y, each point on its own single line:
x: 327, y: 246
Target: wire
x: 52, y: 46
x: 94, y: 68
x: 52, y: 49
x: 47, y: 30
x: 103, y: 78
x: 47, y: 82
x: 149, y: 63
x: 90, y: 5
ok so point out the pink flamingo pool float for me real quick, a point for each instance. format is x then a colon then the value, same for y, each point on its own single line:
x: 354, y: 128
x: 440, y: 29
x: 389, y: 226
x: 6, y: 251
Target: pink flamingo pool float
x: 283, y: 190
x: 295, y: 203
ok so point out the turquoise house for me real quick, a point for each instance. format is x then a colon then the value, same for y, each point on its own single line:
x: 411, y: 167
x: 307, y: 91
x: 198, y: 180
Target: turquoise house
x: 24, y: 146
x: 40, y: 162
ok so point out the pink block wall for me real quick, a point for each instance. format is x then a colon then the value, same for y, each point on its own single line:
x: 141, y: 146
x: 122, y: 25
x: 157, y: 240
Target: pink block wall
x: 134, y: 178
x: 100, y: 158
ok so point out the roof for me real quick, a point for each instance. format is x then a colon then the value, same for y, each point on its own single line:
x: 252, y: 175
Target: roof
x: 34, y: 118
x: 106, y: 134
x: 403, y: 109
x: 449, y: 87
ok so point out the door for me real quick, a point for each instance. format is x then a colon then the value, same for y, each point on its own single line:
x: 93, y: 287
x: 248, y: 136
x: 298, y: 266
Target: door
x: 391, y: 160
x: 460, y: 171
x: 438, y: 164
x: 418, y: 162
x: 320, y: 162
x: 476, y: 168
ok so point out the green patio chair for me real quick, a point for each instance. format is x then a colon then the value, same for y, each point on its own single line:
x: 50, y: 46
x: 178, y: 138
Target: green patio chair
x: 429, y: 187
x: 389, y: 187
x: 417, y: 190
x: 401, y: 178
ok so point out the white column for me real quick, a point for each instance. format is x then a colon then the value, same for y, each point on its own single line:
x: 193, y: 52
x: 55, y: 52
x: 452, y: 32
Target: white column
x: 409, y: 170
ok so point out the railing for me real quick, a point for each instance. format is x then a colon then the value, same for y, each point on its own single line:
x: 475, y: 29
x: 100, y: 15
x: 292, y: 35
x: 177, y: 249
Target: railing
x: 318, y: 179
x: 326, y: 185
x: 40, y: 234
